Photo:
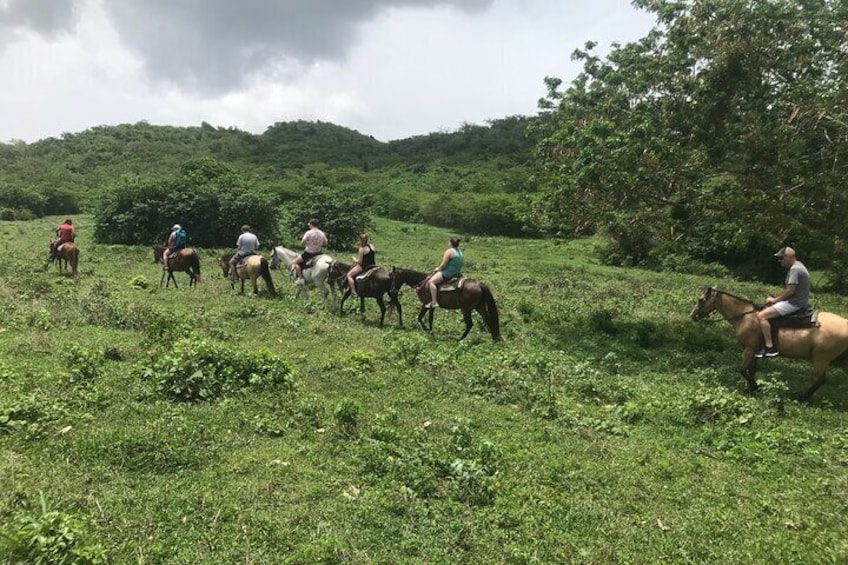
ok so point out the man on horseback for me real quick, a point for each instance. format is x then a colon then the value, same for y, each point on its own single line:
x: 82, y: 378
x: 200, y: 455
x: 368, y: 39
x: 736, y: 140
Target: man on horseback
x: 795, y: 297
x: 64, y: 234
x: 246, y: 245
x: 176, y: 240
x: 450, y: 267
x: 364, y: 261
x: 312, y: 241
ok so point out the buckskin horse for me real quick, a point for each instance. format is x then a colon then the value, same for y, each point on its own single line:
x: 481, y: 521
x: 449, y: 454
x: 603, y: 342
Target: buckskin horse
x: 315, y: 273
x: 185, y: 260
x: 67, y: 255
x: 822, y: 344
x: 251, y: 267
x: 374, y: 283
x: 468, y: 295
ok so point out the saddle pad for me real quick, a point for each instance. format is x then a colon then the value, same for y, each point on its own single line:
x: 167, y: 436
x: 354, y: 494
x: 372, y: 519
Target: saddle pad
x: 806, y: 319
x: 452, y: 284
x: 362, y: 276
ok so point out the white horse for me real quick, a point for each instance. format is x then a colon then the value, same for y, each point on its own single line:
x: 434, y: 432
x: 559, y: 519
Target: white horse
x: 315, y: 274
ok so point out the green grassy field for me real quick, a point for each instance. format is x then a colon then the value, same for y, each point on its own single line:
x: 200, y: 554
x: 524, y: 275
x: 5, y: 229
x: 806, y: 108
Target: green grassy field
x: 606, y: 428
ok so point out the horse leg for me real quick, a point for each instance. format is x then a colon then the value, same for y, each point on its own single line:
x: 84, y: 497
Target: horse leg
x: 382, y: 306
x: 748, y: 368
x: 171, y: 277
x: 466, y: 316
x: 341, y: 304
x: 819, y: 370
x: 421, y: 319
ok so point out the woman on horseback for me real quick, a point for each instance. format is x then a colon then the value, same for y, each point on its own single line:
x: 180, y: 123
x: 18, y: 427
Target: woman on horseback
x: 450, y: 267
x: 364, y: 261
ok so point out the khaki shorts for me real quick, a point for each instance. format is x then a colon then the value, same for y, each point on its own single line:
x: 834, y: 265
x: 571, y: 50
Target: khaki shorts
x: 784, y: 308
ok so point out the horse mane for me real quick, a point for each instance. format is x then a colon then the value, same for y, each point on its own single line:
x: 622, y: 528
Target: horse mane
x: 730, y: 294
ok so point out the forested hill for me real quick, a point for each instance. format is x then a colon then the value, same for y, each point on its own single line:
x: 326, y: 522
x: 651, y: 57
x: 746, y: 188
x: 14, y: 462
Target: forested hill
x: 83, y: 161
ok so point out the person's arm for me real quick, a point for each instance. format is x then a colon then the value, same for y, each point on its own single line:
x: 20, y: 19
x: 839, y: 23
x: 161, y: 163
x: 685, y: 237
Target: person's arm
x: 786, y: 294
x: 360, y: 255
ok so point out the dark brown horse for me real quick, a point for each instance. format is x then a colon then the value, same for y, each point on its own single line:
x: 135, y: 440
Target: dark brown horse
x: 251, y: 267
x: 822, y: 345
x: 185, y: 260
x: 375, y: 284
x: 470, y: 295
x: 67, y: 255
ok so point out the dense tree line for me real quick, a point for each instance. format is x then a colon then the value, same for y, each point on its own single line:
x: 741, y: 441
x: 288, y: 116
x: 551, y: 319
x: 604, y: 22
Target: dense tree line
x: 718, y: 137
x: 477, y: 161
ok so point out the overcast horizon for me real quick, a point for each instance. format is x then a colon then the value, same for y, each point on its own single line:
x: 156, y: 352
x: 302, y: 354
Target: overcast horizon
x: 390, y: 69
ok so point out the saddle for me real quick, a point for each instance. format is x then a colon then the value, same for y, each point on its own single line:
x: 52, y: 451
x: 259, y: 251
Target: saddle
x: 801, y: 319
x: 452, y: 284
x: 311, y: 262
x: 366, y: 273
x: 240, y: 263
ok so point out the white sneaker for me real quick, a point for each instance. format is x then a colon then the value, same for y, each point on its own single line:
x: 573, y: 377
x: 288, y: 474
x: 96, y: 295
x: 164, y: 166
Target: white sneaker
x: 300, y: 282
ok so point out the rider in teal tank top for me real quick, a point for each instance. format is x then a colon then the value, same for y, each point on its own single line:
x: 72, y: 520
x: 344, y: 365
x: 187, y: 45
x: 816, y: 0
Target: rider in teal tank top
x: 454, y: 267
x: 451, y: 266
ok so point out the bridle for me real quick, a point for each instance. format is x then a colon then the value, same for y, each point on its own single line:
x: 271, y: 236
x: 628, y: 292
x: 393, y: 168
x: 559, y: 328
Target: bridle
x: 713, y: 291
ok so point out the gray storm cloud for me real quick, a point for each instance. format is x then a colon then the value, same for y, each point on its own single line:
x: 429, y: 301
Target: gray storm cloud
x: 211, y: 46
x: 46, y: 17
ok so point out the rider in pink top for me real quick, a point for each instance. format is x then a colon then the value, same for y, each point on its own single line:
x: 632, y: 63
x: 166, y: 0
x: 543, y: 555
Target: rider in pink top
x: 313, y: 241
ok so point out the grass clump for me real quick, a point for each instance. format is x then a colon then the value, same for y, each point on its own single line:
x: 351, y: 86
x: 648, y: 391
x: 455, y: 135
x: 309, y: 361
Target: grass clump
x: 198, y: 370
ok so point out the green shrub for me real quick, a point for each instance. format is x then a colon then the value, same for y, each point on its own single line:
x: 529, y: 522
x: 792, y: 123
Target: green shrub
x: 208, y: 198
x: 84, y: 366
x: 346, y: 414
x: 342, y: 213
x: 196, y: 370
x: 45, y: 536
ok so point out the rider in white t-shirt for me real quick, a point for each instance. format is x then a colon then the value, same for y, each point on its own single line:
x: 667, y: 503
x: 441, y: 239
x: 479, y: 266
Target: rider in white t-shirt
x: 313, y: 241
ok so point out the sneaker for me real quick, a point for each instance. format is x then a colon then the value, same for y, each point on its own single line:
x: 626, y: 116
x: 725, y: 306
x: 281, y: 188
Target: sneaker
x: 430, y: 305
x: 354, y: 295
x: 300, y: 282
x: 772, y: 352
x: 760, y: 354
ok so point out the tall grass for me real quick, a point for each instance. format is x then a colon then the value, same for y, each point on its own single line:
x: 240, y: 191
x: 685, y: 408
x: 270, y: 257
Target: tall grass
x: 606, y: 428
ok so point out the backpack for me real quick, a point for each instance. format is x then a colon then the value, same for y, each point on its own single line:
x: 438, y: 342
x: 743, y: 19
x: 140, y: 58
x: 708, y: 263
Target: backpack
x: 180, y: 239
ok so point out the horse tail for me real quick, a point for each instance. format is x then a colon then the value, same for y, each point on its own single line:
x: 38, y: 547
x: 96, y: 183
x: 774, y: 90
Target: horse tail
x: 265, y: 271
x: 195, y: 266
x: 74, y: 260
x: 490, y: 307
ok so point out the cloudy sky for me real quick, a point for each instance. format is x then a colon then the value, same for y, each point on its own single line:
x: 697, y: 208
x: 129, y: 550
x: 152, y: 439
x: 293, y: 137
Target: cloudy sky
x: 387, y: 68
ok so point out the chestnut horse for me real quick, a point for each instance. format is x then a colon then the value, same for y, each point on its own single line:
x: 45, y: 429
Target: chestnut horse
x: 67, y: 255
x: 821, y: 345
x: 471, y: 295
x: 181, y: 260
x: 252, y: 267
x: 375, y: 285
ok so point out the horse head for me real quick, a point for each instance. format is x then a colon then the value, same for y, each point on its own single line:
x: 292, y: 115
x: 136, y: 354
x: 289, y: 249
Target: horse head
x: 224, y: 263
x: 706, y: 304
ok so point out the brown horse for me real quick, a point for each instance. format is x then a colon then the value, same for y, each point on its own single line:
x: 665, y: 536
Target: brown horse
x: 67, y: 255
x: 251, y: 267
x: 821, y: 345
x: 185, y: 260
x: 375, y: 285
x: 471, y: 295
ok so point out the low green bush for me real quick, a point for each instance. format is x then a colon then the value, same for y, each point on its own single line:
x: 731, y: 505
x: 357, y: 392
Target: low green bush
x: 196, y: 370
